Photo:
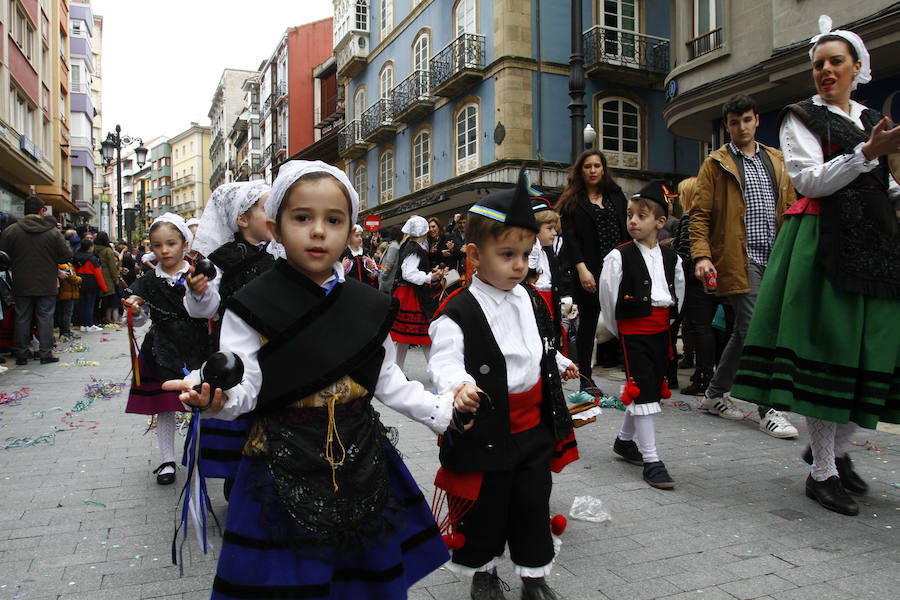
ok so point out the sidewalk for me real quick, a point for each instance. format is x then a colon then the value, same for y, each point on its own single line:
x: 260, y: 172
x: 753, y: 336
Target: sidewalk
x: 737, y: 526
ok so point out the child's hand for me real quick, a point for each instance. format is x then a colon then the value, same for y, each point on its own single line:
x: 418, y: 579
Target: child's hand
x: 345, y: 263
x: 133, y: 302
x: 198, y: 284
x: 571, y: 372
x: 466, y: 398
x: 190, y: 397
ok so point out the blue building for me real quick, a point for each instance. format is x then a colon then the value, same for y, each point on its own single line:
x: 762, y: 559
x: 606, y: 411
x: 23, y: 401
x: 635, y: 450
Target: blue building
x: 82, y: 111
x: 445, y: 99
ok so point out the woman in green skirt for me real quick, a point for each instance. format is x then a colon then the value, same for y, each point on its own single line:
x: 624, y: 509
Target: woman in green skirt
x: 824, y: 340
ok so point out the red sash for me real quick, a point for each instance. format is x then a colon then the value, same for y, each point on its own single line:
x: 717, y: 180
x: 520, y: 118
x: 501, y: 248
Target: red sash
x: 657, y: 322
x: 525, y: 409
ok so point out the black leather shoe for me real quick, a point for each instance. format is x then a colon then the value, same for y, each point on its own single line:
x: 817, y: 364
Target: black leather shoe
x: 21, y: 361
x: 831, y: 494
x: 851, y: 481
x: 165, y: 478
x: 536, y: 588
x: 629, y: 451
x: 486, y: 585
x: 46, y: 360
x: 699, y: 383
x: 657, y: 476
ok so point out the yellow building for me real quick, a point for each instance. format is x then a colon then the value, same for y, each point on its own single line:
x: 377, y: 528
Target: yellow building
x: 191, y: 169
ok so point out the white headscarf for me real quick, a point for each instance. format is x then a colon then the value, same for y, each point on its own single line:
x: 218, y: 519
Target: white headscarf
x: 415, y: 226
x: 178, y: 222
x: 288, y: 174
x: 218, y: 224
x: 865, y: 69
x: 193, y: 221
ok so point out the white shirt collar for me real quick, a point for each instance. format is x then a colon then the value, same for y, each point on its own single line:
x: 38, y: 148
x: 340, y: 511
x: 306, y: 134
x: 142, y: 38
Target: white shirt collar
x: 856, y: 109
x: 172, y: 279
x: 338, y: 269
x: 495, y: 294
x: 355, y: 252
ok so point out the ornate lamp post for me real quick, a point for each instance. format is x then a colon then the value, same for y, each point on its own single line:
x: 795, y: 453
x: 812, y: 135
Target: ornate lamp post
x: 111, y: 148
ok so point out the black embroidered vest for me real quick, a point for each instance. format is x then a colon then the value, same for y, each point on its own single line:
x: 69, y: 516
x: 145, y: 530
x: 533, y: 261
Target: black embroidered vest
x: 424, y: 293
x: 634, y: 290
x: 859, y: 245
x: 240, y: 264
x: 484, y: 447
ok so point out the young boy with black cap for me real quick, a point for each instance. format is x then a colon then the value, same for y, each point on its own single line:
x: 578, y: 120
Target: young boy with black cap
x: 494, y: 347
x: 642, y: 284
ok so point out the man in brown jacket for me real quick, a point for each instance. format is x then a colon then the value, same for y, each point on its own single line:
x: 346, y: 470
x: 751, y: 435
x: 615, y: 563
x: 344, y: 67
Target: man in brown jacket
x: 740, y: 197
x: 35, y: 247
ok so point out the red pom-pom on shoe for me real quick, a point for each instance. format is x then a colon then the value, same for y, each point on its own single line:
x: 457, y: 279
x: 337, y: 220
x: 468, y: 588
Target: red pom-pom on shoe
x: 454, y: 541
x: 558, y: 525
x: 664, y: 392
x: 631, y: 392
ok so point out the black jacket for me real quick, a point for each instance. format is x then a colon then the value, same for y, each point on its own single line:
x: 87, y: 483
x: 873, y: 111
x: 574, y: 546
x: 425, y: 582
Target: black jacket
x: 581, y: 241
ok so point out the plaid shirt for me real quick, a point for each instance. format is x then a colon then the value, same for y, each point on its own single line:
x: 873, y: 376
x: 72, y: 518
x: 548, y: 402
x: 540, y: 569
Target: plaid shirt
x: 759, y: 202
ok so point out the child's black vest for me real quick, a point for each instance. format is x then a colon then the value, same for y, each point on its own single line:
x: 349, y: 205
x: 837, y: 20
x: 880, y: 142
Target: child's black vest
x: 634, y: 290
x: 484, y: 447
x: 240, y: 263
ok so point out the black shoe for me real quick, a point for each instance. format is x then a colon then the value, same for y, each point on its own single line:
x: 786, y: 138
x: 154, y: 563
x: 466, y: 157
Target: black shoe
x: 687, y: 362
x: 831, y: 494
x: 165, y: 478
x: 851, y: 481
x: 629, y: 451
x: 657, y: 476
x: 536, y: 588
x: 590, y: 388
x: 699, y: 383
x: 46, y: 360
x: 21, y: 360
x: 486, y: 585
x: 672, y: 375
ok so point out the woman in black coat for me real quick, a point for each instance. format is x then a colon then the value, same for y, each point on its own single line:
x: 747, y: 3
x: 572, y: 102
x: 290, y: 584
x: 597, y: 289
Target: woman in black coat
x: 593, y: 213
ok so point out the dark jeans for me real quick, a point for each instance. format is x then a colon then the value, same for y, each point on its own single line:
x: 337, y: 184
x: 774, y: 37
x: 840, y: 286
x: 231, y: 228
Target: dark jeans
x: 29, y: 308
x: 588, y: 315
x: 64, y: 316
x: 699, y: 310
x: 86, y: 304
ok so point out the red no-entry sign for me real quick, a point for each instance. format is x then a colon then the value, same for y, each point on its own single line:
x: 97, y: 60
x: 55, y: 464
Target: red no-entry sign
x: 372, y: 223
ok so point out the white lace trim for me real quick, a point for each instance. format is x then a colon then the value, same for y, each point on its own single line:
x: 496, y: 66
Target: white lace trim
x: 469, y: 572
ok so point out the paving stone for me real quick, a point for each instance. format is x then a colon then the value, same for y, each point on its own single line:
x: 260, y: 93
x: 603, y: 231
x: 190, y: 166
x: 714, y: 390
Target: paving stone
x: 754, y: 587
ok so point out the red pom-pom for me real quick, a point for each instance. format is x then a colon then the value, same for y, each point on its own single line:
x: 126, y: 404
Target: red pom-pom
x: 454, y: 541
x: 664, y: 391
x: 631, y: 392
x: 558, y: 525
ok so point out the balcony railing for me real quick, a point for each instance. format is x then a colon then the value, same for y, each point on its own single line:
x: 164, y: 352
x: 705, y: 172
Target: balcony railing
x: 217, y: 139
x: 280, y: 92
x: 81, y: 141
x: 411, y: 98
x: 458, y: 66
x: 378, y: 122
x: 80, y: 87
x: 217, y: 175
x: 703, y: 44
x: 329, y: 110
x: 267, y: 105
x: 183, y: 181
x: 351, y: 144
x: 281, y: 144
x: 612, y: 46
x: 268, y: 151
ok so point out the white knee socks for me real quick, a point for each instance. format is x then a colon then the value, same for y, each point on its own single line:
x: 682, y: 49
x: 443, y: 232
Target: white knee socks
x: 821, y: 442
x: 646, y: 434
x: 626, y: 434
x: 165, y: 434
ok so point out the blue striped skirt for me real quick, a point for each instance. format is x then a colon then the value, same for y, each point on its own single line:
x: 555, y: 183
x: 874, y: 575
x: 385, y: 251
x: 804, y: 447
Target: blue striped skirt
x: 255, y: 562
x: 221, y: 444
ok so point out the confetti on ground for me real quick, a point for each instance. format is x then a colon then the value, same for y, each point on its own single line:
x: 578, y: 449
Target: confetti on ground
x: 115, y: 356
x: 80, y: 362
x: 94, y: 502
x: 76, y: 347
x: 96, y: 390
x: 24, y: 442
x: 13, y: 398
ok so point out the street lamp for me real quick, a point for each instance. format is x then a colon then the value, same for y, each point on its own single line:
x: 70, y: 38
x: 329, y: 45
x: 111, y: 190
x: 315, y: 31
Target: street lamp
x: 590, y: 136
x: 111, y: 149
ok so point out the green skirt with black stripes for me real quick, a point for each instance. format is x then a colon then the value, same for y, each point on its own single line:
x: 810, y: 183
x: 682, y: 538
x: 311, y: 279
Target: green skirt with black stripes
x: 815, y: 349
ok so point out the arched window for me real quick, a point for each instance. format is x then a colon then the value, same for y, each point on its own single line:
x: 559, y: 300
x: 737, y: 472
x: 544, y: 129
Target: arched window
x: 620, y: 132
x: 386, y: 80
x: 464, y: 17
x: 359, y: 103
x: 467, y: 138
x: 386, y: 176
x: 359, y: 183
x: 421, y: 51
x: 421, y: 152
x: 386, y: 17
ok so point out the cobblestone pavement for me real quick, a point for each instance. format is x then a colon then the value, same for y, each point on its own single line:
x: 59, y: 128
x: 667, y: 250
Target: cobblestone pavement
x: 81, y: 517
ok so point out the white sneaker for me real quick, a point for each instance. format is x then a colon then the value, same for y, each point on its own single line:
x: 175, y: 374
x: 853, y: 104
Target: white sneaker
x: 94, y: 328
x: 722, y: 406
x: 83, y: 328
x: 776, y: 424
x: 3, y: 369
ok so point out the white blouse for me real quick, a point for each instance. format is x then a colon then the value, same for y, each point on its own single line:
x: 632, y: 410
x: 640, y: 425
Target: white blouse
x: 410, y: 269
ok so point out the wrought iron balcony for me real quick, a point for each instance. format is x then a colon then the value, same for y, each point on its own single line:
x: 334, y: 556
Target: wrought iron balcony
x: 217, y: 139
x: 702, y: 44
x: 411, y: 98
x: 458, y: 66
x: 268, y: 151
x: 639, y: 58
x: 378, y: 122
x: 351, y: 144
x: 267, y: 105
x: 281, y: 144
x: 280, y: 92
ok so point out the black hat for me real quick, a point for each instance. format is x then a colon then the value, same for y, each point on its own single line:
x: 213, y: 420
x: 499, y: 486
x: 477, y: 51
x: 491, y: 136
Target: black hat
x: 656, y: 191
x: 511, y: 207
x: 538, y: 202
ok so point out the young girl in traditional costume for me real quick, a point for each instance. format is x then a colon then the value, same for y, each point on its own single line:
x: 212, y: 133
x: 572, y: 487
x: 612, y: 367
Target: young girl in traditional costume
x: 175, y: 340
x: 417, y: 289
x: 824, y: 340
x: 354, y: 258
x: 322, y: 506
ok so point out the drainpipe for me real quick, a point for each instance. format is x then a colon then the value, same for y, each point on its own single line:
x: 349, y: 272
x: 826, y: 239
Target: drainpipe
x: 540, y: 90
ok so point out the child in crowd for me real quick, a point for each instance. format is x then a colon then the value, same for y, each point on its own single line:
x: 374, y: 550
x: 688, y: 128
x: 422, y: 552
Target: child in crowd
x: 193, y: 255
x: 494, y: 346
x: 354, y: 256
x: 233, y: 234
x: 175, y: 340
x: 417, y: 287
x: 544, y: 262
x: 323, y: 506
x: 642, y: 284
x: 66, y: 297
x: 92, y: 282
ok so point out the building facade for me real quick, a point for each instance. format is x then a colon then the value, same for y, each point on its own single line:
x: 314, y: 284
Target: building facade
x: 82, y: 140
x: 246, y: 136
x: 446, y: 99
x: 726, y: 47
x: 328, y: 114
x: 287, y: 92
x: 97, y: 95
x: 160, y: 179
x: 191, y: 168
x: 34, y: 105
x: 227, y: 104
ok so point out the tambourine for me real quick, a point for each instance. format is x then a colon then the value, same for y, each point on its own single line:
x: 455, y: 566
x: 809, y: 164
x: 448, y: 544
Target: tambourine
x: 894, y: 166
